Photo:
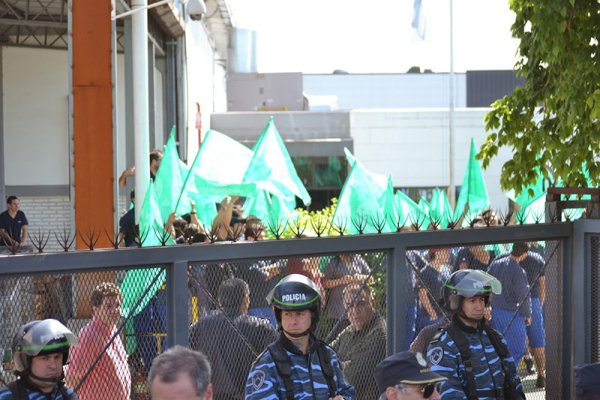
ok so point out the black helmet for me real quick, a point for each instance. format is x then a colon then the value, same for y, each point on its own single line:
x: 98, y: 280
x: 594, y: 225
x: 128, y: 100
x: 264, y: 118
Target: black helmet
x: 469, y: 283
x: 295, y: 292
x: 38, y: 338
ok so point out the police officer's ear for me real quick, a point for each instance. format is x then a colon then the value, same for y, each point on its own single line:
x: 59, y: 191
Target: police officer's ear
x: 208, y: 393
x: 245, y: 303
x: 390, y: 393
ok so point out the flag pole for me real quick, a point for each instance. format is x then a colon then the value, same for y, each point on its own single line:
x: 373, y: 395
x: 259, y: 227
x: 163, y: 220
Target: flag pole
x: 451, y: 186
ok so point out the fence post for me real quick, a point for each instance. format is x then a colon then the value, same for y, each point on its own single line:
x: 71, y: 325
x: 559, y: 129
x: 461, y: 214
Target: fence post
x: 396, y: 300
x: 177, y: 305
x: 567, y: 311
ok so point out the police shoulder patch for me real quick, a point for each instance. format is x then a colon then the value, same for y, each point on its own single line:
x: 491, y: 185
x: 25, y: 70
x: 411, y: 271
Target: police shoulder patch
x: 258, y: 379
x: 435, y: 355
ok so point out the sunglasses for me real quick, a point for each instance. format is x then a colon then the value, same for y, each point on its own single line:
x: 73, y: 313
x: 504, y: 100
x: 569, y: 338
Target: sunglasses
x: 428, y: 389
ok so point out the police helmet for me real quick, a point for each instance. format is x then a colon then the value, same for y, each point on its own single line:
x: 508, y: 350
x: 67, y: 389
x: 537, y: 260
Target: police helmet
x: 295, y: 292
x: 38, y: 338
x: 469, y: 283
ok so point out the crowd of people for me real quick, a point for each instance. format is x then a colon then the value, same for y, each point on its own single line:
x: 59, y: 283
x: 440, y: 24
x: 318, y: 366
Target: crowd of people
x: 233, y: 355
x: 476, y: 311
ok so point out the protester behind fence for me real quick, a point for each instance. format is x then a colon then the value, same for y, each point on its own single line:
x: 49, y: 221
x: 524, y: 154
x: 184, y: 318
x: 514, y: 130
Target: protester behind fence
x: 341, y: 271
x: 414, y: 263
x: 430, y: 282
x: 109, y: 378
x: 361, y: 346
x: 156, y: 156
x: 406, y: 376
x: 180, y: 373
x: 13, y: 227
x: 40, y: 350
x: 231, y: 339
x: 534, y: 267
x: 511, y: 309
x: 261, y: 275
x: 473, y: 257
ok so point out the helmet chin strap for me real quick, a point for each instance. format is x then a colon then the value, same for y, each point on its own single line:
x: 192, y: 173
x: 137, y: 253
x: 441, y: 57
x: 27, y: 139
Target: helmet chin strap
x: 297, y: 335
x: 464, y: 316
x: 48, y: 380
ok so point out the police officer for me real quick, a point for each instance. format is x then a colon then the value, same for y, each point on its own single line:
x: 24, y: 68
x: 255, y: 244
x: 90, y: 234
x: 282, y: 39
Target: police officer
x: 40, y: 351
x: 467, y: 351
x: 297, y: 365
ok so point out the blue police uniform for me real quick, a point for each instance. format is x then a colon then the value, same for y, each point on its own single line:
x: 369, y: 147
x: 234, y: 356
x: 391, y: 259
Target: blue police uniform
x: 488, y: 370
x: 33, y: 394
x: 307, y: 376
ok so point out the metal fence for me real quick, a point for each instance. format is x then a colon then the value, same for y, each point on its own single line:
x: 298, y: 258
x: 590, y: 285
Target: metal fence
x: 380, y: 290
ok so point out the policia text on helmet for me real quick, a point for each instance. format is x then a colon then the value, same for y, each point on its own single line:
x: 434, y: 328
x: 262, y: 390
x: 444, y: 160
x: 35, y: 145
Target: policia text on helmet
x: 40, y: 351
x: 298, y: 298
x: 297, y: 364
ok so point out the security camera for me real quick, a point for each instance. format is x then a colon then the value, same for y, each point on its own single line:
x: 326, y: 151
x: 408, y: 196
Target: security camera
x: 196, y: 9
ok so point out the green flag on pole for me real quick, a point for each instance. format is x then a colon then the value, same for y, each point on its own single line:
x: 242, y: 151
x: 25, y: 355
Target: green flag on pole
x: 168, y: 182
x: 217, y: 171
x: 473, y: 192
x: 440, y: 209
x: 271, y: 167
x: 366, y: 201
x: 408, y: 211
x: 136, y: 281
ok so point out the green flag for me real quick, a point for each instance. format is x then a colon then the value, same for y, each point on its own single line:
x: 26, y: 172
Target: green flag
x: 136, y: 281
x: 366, y: 201
x: 408, y: 211
x: 168, y: 182
x: 525, y: 197
x: 473, y: 192
x: 217, y: 171
x: 440, y: 209
x: 271, y: 167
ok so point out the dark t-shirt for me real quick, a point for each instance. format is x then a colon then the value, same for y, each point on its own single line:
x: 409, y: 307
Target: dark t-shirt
x: 231, y: 350
x: 13, y: 226
x: 534, y: 268
x: 466, y: 256
x: 258, y: 280
x: 432, y: 280
x: 127, y: 227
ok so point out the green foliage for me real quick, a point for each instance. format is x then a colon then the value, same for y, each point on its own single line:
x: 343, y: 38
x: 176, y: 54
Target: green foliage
x: 308, y: 223
x: 552, y: 122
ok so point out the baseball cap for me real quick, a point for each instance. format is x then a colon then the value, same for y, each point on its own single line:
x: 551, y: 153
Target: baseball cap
x: 404, y: 367
x: 586, y: 381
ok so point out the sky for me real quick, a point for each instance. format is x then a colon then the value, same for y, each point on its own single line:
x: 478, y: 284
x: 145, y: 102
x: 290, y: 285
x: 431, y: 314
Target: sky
x: 375, y: 36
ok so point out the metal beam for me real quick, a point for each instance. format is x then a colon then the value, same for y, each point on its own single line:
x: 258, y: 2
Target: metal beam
x: 132, y: 257
x: 34, y: 23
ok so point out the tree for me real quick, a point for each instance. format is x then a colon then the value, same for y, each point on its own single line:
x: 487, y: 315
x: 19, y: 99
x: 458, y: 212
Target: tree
x: 552, y: 121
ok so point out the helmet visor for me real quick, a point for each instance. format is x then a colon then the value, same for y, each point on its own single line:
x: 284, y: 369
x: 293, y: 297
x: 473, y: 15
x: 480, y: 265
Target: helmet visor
x: 476, y: 283
x: 46, y: 336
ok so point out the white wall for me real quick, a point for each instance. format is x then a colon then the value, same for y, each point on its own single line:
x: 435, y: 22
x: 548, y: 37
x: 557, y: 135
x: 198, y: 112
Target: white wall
x: 412, y: 146
x: 36, y: 135
x: 206, y: 82
x: 359, y: 91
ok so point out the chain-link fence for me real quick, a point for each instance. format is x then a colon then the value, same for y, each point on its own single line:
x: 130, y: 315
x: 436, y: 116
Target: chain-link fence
x: 356, y: 319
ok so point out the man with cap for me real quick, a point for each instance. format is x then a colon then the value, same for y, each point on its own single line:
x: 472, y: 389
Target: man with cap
x: 406, y: 376
x: 587, y: 382
x: 297, y: 365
